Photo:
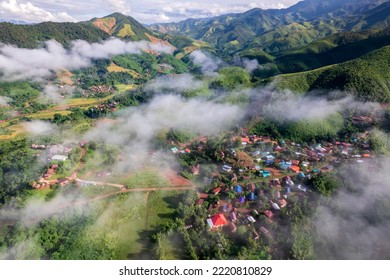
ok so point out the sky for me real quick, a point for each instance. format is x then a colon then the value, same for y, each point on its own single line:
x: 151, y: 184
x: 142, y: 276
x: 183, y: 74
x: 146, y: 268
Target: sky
x: 145, y: 11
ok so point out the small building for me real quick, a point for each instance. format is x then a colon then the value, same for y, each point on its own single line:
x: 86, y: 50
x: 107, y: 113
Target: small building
x: 216, y: 190
x: 295, y: 168
x: 217, y: 220
x: 195, y: 170
x: 251, y: 196
x: 238, y: 189
x: 233, y: 216
x: 227, y: 168
x: 275, y: 206
x: 252, y: 187
x: 265, y: 173
x: 302, y: 188
x: 264, y: 230
x: 251, y: 219
x: 285, y: 165
x: 282, y: 203
x: 268, y: 214
x: 199, y: 202
x: 59, y: 158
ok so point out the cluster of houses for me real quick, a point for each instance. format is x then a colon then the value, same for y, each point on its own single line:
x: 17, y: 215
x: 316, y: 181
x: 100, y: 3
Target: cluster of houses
x: 102, y: 89
x: 260, y: 191
x: 54, y: 152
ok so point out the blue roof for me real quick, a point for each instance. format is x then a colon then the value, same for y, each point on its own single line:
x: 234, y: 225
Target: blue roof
x: 242, y: 199
x: 252, y: 196
x: 238, y: 189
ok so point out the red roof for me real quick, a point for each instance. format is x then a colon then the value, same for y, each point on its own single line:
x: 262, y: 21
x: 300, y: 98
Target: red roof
x: 219, y: 220
x: 269, y: 213
x: 295, y: 168
x: 217, y: 190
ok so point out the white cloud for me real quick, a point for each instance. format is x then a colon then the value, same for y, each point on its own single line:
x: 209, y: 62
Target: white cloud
x: 12, y: 9
x: 18, y: 63
x: 177, y: 83
x: 207, y: 63
x: 37, y: 127
x: 119, y: 6
x: 4, y: 100
x: 147, y: 11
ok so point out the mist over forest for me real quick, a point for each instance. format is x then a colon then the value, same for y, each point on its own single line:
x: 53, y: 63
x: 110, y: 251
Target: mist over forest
x: 161, y: 143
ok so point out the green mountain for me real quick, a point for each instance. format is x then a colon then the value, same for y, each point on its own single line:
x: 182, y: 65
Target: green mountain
x: 95, y: 30
x: 279, y: 30
x: 334, y: 49
x: 367, y: 77
x: 32, y: 35
x: 122, y: 26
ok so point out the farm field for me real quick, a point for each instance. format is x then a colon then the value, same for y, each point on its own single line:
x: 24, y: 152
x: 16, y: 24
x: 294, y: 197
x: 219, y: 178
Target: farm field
x: 126, y: 223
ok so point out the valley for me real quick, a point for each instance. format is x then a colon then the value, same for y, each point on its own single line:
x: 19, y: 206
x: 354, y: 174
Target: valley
x: 258, y: 135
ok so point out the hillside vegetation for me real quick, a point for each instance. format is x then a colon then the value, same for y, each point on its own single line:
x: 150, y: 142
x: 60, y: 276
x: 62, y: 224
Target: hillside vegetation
x: 367, y: 76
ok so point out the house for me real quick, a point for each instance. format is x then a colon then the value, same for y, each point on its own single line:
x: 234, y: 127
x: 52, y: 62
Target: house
x: 251, y: 196
x: 103, y: 174
x: 265, y: 173
x: 195, y: 169
x: 63, y: 182
x: 285, y: 165
x: 275, y: 182
x: 217, y: 220
x: 301, y: 175
x: 251, y: 219
x: 203, y: 195
x: 216, y: 190
x: 295, y: 162
x: 275, y: 206
x: 199, y: 202
x: 302, y: 188
x: 227, y: 168
x: 226, y: 207
x: 233, y: 216
x: 256, y: 153
x: 295, y: 168
x: 251, y: 187
x: 282, y: 203
x: 264, y: 230
x: 59, y: 158
x: 241, y: 199
x: 268, y: 214
x: 238, y: 189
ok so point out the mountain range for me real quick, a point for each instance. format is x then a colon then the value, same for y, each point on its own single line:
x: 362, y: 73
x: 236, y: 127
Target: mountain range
x: 278, y: 30
x: 309, y: 39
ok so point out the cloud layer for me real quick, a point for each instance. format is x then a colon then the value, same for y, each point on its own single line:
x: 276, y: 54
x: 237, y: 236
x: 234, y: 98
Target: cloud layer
x: 356, y: 224
x: 18, y: 63
x: 148, y: 11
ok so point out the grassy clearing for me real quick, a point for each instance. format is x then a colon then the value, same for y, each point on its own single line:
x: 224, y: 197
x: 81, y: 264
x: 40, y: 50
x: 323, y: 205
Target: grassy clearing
x: 126, y: 31
x: 123, y: 88
x: 161, y: 208
x: 116, y: 68
x: 91, y: 191
x: 145, y: 179
x: 48, y: 115
x: 13, y: 131
x: 65, y: 77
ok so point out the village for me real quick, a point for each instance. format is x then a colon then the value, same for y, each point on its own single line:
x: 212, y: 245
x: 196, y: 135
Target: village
x: 256, y: 178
